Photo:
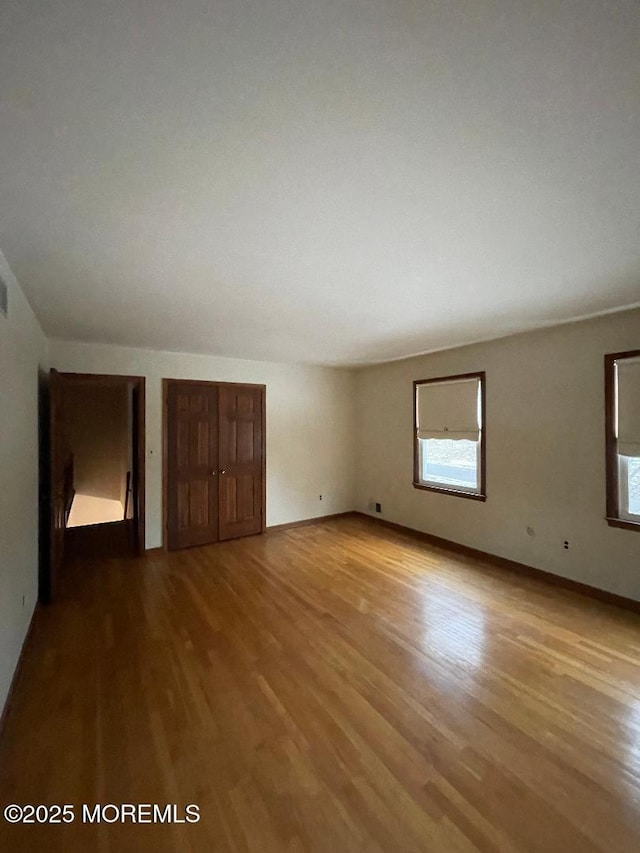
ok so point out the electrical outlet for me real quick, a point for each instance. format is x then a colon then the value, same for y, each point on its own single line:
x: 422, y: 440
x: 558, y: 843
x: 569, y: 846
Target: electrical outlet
x: 378, y: 507
x: 531, y: 531
x: 320, y: 497
x: 566, y: 545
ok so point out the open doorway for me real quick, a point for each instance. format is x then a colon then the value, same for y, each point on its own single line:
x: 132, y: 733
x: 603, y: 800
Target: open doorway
x: 97, y: 465
x: 98, y: 428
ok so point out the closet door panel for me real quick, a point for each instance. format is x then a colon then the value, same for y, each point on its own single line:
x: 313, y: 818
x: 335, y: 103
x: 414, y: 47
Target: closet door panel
x: 192, y: 459
x: 241, y: 435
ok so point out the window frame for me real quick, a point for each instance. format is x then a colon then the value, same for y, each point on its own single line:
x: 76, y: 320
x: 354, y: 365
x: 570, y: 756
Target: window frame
x: 615, y: 515
x: 481, y: 494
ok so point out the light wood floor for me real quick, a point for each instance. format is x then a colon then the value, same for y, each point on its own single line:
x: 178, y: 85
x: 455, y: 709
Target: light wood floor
x: 329, y: 688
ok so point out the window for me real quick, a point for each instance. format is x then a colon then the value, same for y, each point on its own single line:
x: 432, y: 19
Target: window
x: 449, y: 435
x: 622, y: 399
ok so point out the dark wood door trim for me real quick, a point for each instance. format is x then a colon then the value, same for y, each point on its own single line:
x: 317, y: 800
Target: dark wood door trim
x: 611, y: 446
x: 56, y: 535
x: 166, y: 384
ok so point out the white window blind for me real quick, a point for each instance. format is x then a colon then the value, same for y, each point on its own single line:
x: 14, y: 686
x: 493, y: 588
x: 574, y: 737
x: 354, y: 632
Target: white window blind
x: 449, y: 410
x: 628, y: 398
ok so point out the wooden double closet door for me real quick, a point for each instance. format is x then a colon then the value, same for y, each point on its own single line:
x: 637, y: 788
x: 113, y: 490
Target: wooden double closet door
x: 215, y: 461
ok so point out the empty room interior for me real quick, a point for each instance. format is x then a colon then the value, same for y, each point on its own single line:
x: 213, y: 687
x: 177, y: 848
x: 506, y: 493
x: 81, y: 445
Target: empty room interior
x: 320, y: 446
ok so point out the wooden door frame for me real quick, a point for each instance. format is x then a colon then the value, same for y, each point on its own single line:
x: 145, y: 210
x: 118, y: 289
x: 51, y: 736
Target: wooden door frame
x: 139, y: 385
x: 166, y: 384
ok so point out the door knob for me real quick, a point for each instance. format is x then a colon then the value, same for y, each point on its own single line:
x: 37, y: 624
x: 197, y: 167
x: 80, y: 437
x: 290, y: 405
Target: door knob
x: 223, y: 471
x: 213, y: 473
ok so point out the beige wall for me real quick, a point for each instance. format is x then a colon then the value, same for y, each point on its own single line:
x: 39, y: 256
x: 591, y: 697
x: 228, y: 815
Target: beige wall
x: 23, y: 349
x: 310, y: 424
x: 545, y: 418
x: 545, y: 451
x: 98, y: 433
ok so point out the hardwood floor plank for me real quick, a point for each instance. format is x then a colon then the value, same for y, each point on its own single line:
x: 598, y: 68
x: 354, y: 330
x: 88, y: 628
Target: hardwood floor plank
x: 331, y: 688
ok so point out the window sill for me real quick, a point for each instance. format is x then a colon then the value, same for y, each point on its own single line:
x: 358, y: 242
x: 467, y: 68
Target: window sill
x: 473, y: 496
x: 624, y: 523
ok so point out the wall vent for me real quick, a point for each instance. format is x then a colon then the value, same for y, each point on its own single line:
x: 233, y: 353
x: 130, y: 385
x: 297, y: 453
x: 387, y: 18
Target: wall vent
x: 4, y: 298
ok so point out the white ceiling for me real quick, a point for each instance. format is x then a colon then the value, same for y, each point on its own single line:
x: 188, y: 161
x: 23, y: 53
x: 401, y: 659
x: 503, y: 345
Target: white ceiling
x: 328, y: 181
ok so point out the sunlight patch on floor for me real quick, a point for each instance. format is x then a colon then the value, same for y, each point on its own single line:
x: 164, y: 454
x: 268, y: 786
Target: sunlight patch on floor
x: 89, y: 510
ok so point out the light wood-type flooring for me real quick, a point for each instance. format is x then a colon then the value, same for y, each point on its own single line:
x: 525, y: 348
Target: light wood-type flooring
x: 339, y: 687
